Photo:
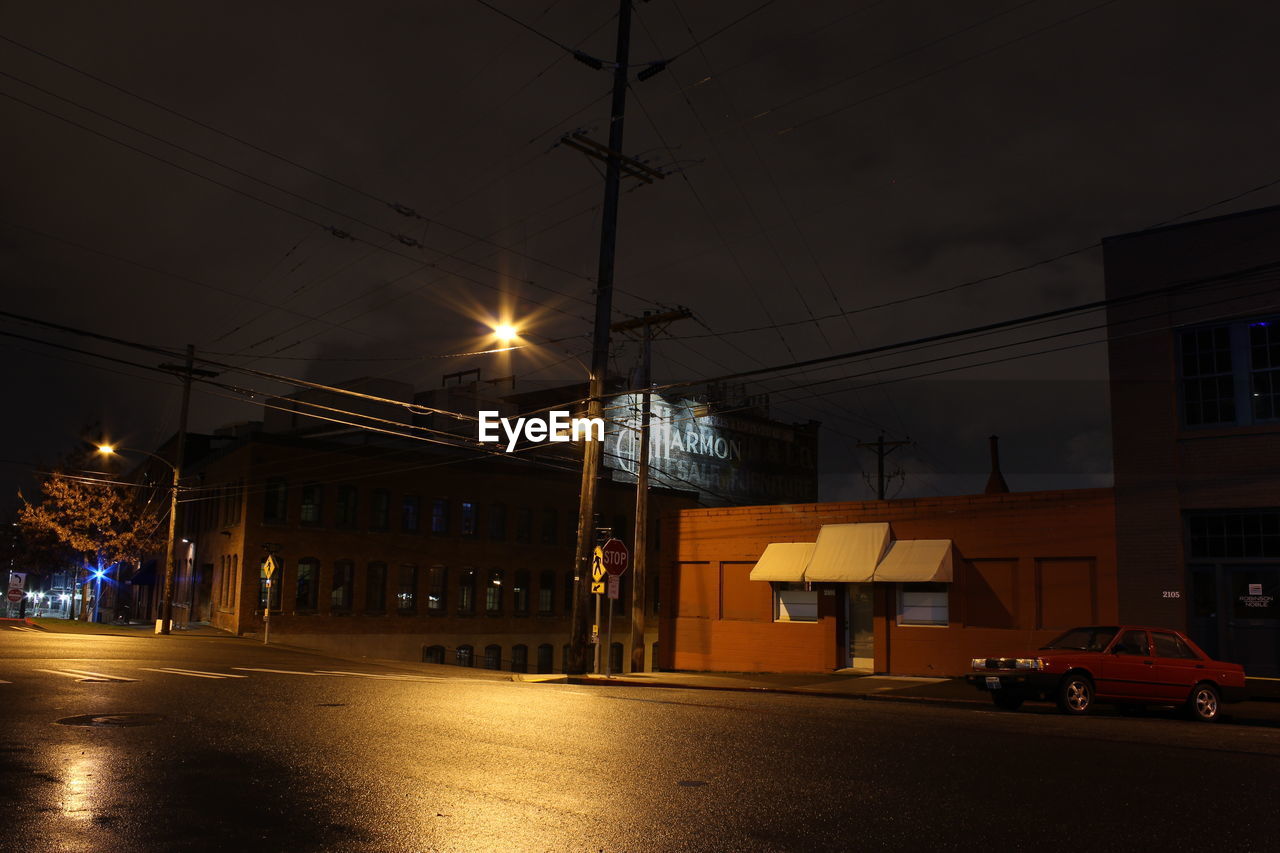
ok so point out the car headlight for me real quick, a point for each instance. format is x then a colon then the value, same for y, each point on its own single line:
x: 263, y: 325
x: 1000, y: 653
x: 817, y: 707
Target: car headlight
x: 1028, y: 663
x: 978, y: 663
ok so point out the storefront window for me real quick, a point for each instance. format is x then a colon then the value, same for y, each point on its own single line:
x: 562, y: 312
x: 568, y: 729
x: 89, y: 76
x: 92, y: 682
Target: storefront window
x: 794, y: 603
x: 923, y: 604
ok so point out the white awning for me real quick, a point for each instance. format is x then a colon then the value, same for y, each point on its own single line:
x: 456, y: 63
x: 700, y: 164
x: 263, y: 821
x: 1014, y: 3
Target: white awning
x: 916, y: 561
x: 783, y: 561
x: 847, y: 553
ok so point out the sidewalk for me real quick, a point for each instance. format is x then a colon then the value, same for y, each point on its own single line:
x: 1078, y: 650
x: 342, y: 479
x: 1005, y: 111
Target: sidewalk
x: 1263, y: 709
x: 59, y: 625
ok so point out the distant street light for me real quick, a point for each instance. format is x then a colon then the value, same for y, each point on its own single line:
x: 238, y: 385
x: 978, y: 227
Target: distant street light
x: 506, y: 333
x: 166, y: 600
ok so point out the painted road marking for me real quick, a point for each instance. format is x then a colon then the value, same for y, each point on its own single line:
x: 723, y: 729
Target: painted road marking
x: 81, y: 673
x: 277, y: 671
x: 386, y: 677
x: 194, y: 673
x: 24, y: 628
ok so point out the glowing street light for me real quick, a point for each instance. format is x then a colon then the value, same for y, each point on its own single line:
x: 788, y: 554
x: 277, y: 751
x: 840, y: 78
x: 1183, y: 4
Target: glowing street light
x: 166, y: 601
x: 506, y: 333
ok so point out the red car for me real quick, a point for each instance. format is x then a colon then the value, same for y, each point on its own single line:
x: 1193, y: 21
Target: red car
x: 1120, y: 664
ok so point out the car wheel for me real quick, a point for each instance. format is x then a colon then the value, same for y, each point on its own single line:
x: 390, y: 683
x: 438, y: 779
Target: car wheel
x: 1005, y: 701
x: 1204, y: 704
x: 1075, y: 694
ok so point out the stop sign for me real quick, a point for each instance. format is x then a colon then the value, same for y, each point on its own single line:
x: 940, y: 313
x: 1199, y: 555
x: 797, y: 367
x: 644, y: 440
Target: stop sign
x: 616, y: 556
x: 15, y: 594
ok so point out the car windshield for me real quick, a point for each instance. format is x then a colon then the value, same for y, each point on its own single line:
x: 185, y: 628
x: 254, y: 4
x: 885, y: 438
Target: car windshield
x: 1093, y: 639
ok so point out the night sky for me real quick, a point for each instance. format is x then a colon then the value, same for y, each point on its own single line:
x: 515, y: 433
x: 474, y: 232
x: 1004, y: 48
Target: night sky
x: 823, y: 158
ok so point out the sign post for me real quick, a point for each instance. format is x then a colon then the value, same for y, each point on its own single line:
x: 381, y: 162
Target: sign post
x: 268, y: 569
x: 597, y: 589
x: 615, y: 558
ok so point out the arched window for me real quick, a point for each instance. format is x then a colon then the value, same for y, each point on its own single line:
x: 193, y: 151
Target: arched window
x: 520, y: 658
x: 306, y: 593
x: 433, y: 654
x: 546, y: 658
x: 467, y: 591
x: 493, y: 657
x: 493, y: 592
x: 466, y: 656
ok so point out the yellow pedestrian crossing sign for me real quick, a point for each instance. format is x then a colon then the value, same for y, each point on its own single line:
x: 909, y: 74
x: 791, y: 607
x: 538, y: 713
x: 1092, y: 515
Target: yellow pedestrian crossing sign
x: 597, y: 587
x: 597, y: 565
x: 268, y: 567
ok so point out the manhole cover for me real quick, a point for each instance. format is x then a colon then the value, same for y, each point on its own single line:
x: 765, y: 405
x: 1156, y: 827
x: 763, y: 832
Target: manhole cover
x: 116, y: 720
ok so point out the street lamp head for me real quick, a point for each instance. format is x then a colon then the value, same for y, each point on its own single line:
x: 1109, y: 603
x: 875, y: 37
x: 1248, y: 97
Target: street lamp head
x: 106, y: 449
x: 506, y: 333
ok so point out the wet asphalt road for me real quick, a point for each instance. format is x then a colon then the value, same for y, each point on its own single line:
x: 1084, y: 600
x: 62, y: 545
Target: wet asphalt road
x: 435, y: 759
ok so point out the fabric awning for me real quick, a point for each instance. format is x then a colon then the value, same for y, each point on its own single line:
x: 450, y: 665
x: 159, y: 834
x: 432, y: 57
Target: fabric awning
x: 783, y: 561
x: 847, y: 553
x: 916, y: 561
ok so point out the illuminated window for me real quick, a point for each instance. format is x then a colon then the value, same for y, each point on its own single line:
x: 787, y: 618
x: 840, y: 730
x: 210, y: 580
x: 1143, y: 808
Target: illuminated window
x: 310, y: 512
x: 437, y: 580
x: 923, y: 604
x: 520, y: 593
x: 546, y: 593
x: 306, y: 594
x: 407, y: 590
x: 343, y: 587
x: 467, y: 591
x: 493, y: 592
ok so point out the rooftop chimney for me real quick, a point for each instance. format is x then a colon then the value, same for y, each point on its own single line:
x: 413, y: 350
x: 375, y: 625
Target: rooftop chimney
x: 995, y: 483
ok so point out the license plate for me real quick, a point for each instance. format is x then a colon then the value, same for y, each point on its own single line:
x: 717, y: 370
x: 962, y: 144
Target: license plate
x: 993, y: 683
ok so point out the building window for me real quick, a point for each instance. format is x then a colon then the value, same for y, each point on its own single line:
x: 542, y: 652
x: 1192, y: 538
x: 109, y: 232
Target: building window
x: 498, y: 522
x: 1238, y: 534
x: 923, y: 604
x: 437, y: 580
x: 275, y: 501
x: 345, y: 507
x: 273, y: 587
x: 548, y: 527
x: 520, y: 658
x: 310, y: 512
x: 410, y: 514
x: 493, y: 657
x: 1264, y: 369
x: 1229, y: 374
x: 379, y: 509
x: 306, y: 594
x: 469, y: 524
x: 433, y: 654
x: 344, y: 580
x: 375, y: 588
x: 524, y: 525
x: 407, y: 590
x: 467, y: 591
x: 546, y: 658
x: 546, y: 593
x: 493, y: 592
x: 568, y: 592
x: 465, y: 656
x: 793, y: 603
x: 440, y: 516
x: 520, y: 593
x: 564, y: 658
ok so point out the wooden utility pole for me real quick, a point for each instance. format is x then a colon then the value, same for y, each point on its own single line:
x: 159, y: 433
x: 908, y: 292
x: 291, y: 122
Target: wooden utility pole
x: 581, y: 632
x: 640, y: 542
x: 882, y: 448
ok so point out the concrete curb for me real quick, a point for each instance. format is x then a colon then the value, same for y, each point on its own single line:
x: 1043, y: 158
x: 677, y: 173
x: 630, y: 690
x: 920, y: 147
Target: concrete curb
x: 791, y: 691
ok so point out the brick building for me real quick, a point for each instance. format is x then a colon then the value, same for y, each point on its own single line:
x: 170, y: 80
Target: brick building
x: 1195, y: 409
x: 909, y: 587
x: 394, y: 551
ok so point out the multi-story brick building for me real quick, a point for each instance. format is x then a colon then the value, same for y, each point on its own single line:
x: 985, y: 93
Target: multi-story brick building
x: 1194, y: 330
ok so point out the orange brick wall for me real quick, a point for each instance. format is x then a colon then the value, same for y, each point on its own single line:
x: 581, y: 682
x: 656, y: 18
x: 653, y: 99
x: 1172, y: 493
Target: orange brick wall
x: 1023, y: 564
